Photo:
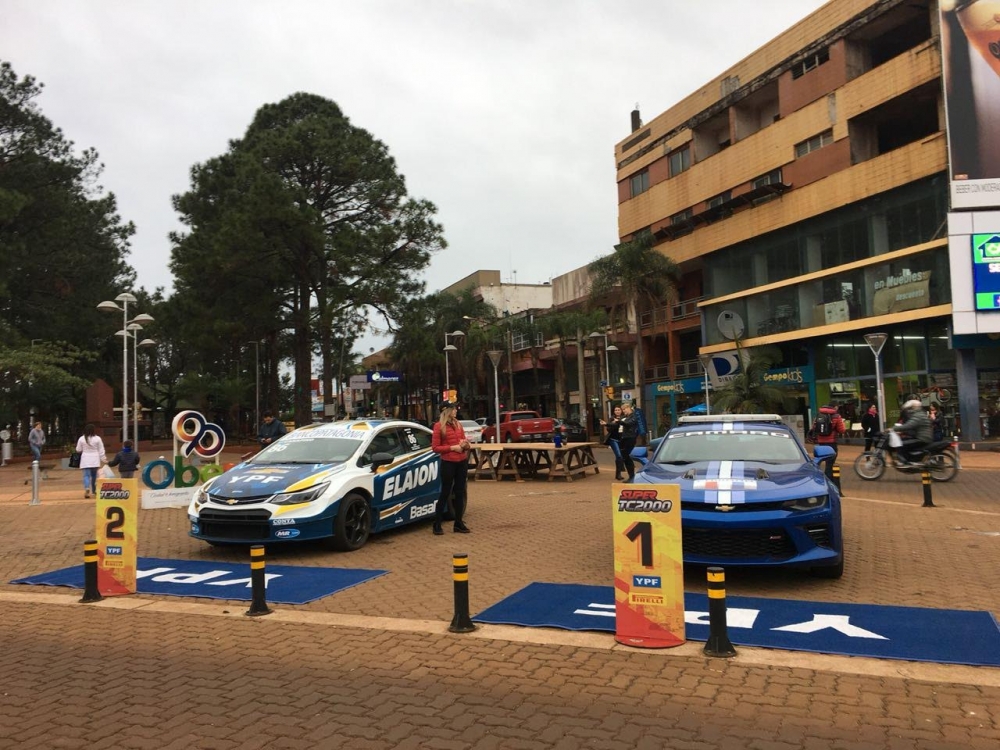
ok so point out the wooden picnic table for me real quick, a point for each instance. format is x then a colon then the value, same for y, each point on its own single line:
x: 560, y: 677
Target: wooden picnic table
x: 531, y: 460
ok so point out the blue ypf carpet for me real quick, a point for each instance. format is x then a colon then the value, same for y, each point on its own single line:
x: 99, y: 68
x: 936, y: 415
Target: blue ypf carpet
x: 286, y: 584
x: 912, y: 633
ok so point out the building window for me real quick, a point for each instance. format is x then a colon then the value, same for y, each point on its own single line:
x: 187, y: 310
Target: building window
x: 640, y: 182
x: 771, y: 178
x: 813, y: 61
x: 521, y: 340
x: 680, y: 161
x: 813, y: 144
x: 720, y: 199
x: 681, y: 218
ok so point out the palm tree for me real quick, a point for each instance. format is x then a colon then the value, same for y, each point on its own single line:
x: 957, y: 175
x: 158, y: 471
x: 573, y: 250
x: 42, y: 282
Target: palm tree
x: 635, y: 275
x: 746, y: 393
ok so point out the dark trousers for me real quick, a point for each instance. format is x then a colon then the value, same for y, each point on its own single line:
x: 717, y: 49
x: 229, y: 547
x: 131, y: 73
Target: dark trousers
x: 828, y: 465
x: 454, y: 480
x: 619, y: 464
x: 869, y: 441
x: 626, y: 445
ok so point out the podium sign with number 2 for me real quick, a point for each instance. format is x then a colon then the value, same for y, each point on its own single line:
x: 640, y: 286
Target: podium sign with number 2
x: 649, y: 565
x: 117, y: 553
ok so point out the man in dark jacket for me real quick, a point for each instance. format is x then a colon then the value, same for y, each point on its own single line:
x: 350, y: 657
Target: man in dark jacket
x: 869, y: 424
x: 270, y: 430
x: 914, y: 428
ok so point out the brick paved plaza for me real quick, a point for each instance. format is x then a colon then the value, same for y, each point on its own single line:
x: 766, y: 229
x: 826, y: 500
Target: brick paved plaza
x: 374, y: 666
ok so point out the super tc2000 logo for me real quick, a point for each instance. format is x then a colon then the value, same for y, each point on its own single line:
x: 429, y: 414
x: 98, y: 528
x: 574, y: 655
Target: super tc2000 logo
x: 197, y: 436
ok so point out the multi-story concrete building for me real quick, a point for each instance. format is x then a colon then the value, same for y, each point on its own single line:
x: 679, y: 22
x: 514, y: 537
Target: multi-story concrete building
x: 804, y: 193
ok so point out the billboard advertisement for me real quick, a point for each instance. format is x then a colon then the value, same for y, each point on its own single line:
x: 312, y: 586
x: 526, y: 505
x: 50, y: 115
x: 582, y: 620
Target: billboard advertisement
x: 986, y: 270
x: 970, y: 48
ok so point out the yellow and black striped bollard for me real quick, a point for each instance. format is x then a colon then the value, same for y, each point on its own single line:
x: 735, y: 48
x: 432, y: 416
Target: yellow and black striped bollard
x: 90, y: 590
x: 258, y: 583
x: 835, y: 472
x: 461, y: 622
x: 925, y: 479
x: 718, y: 633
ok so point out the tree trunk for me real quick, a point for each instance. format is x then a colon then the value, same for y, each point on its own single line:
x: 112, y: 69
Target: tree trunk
x: 303, y: 358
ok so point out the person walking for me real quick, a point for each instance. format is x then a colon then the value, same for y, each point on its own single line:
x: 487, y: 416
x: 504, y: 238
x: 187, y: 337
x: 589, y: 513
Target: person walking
x: 270, y: 430
x: 612, y: 441
x: 826, y: 428
x: 449, y: 442
x: 36, y: 439
x: 869, y: 425
x: 127, y: 461
x: 92, y: 455
x: 627, y: 431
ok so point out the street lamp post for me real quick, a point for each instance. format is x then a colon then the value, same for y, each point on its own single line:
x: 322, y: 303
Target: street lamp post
x: 449, y: 348
x: 495, y: 355
x: 876, y: 341
x: 133, y: 328
x: 109, y: 306
x: 706, y: 360
x: 607, y: 366
x: 256, y: 370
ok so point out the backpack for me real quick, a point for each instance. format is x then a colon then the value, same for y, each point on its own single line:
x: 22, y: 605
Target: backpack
x: 640, y: 422
x: 823, y: 426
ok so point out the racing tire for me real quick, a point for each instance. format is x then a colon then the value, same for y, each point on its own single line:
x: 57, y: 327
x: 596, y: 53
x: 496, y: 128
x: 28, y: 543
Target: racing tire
x: 869, y: 466
x: 829, y: 571
x: 943, y: 466
x: 352, y: 525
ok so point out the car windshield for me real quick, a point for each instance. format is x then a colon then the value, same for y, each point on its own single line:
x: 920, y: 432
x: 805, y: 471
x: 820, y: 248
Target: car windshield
x: 468, y: 424
x: 693, y: 446
x: 317, y: 446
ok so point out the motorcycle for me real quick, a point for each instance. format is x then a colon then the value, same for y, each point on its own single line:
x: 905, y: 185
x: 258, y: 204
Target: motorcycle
x: 939, y: 458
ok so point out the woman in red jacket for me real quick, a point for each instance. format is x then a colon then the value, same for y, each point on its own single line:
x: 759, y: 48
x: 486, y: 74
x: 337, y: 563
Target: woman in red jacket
x: 450, y: 443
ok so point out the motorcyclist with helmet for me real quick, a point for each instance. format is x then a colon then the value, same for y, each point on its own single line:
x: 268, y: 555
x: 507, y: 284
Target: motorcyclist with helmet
x: 915, y: 430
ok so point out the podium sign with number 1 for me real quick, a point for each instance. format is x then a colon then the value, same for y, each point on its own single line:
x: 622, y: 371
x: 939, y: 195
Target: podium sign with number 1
x: 649, y: 565
x: 117, y: 506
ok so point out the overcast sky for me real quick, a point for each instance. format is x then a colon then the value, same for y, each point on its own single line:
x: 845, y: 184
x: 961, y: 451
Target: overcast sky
x: 503, y: 114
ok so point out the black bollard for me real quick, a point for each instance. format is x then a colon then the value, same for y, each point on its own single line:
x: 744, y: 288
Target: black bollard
x: 835, y: 471
x: 925, y: 479
x: 461, y: 622
x: 258, y: 583
x: 90, y: 590
x: 718, y: 636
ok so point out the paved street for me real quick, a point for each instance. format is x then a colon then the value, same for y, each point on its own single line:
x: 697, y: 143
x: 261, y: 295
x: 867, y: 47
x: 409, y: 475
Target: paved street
x: 374, y: 666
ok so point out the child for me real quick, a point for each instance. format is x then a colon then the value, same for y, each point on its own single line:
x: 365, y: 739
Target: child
x: 127, y: 460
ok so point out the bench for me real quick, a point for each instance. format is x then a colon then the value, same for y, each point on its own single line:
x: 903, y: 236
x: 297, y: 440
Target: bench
x: 43, y: 468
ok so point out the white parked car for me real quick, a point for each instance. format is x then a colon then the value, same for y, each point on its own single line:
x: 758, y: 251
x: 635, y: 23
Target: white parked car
x: 338, y: 482
x: 473, y: 430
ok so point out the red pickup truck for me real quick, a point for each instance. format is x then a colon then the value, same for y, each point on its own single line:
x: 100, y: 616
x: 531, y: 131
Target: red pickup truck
x: 521, y: 427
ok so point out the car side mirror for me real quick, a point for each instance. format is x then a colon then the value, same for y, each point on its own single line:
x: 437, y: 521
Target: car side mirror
x: 381, y: 459
x: 823, y: 453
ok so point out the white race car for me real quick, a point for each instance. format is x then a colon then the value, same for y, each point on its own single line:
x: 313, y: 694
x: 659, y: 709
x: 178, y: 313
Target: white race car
x: 338, y: 481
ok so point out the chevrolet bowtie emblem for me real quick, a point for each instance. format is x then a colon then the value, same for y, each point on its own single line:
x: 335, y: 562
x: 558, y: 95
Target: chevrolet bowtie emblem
x: 232, y: 501
x: 725, y: 508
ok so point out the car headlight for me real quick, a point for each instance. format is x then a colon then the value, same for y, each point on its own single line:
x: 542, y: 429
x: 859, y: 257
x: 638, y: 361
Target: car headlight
x: 806, y: 503
x: 302, y: 496
x: 201, y: 494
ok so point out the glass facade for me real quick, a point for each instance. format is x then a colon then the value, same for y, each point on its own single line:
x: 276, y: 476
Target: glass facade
x: 894, y: 220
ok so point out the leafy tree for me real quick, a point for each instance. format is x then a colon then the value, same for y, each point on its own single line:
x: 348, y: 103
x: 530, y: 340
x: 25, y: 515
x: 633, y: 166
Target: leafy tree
x: 635, y: 276
x: 315, y: 214
x: 62, y: 250
x: 747, y: 393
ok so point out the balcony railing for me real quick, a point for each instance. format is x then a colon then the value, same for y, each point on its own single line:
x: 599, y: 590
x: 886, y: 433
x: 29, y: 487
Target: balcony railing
x: 689, y: 368
x: 659, y: 315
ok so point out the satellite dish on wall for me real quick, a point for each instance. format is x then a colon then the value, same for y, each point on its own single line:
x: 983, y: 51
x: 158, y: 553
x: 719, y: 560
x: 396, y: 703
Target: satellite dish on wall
x: 730, y: 324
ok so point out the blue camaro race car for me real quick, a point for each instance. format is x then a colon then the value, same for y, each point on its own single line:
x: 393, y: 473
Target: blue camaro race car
x: 336, y: 481
x: 750, y: 495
